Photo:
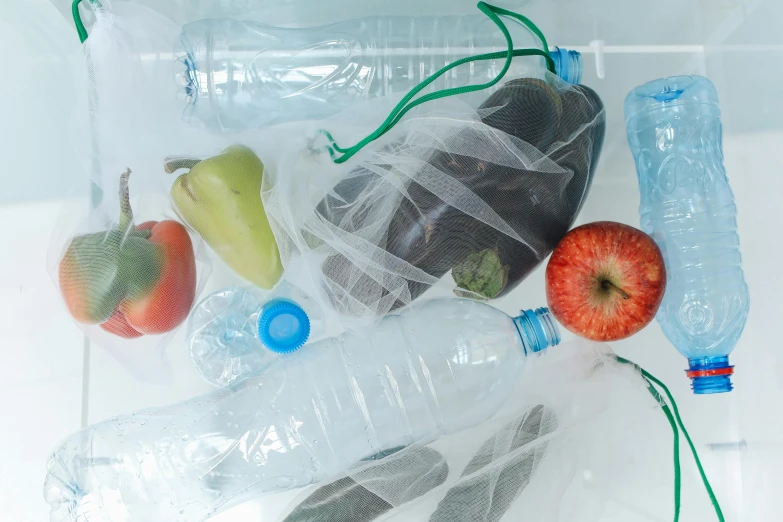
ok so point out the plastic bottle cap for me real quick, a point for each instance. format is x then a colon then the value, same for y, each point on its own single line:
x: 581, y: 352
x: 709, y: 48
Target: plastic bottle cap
x: 283, y: 326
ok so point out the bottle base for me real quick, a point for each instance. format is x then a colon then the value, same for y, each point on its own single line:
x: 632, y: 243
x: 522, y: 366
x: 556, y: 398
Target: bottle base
x: 710, y: 375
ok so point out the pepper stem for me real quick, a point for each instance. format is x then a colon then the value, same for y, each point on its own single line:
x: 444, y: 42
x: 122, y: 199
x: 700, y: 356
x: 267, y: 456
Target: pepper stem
x: 126, y: 212
x: 172, y: 165
x: 608, y: 285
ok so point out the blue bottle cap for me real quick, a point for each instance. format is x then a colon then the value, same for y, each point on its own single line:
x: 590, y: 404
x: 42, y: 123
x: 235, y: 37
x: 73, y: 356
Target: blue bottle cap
x: 710, y: 374
x: 283, y: 326
x: 568, y: 64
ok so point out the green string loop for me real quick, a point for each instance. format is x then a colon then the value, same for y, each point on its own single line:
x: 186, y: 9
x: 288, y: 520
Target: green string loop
x: 77, y: 20
x: 405, y: 105
x: 675, y: 421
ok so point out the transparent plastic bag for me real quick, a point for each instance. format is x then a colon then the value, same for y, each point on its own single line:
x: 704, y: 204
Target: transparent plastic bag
x: 129, y: 275
x: 136, y: 109
x: 484, y: 191
x: 135, y: 124
x: 509, y: 169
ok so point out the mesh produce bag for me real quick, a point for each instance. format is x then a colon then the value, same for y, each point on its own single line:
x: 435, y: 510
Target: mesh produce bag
x: 583, y: 439
x: 128, y: 274
x: 128, y: 267
x: 499, y: 471
x: 484, y: 192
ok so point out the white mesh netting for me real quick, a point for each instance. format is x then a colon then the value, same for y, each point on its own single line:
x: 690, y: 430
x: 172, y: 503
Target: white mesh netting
x: 485, y: 193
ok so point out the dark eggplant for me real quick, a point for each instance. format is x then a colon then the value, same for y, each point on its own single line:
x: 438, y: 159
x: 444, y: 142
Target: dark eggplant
x: 546, y: 204
x: 566, y: 123
x: 528, y: 108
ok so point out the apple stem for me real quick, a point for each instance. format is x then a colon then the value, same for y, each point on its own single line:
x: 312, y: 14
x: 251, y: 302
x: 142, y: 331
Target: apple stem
x: 608, y: 285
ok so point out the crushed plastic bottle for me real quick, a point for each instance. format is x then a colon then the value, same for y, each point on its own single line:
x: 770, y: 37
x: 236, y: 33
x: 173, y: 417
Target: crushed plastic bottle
x: 687, y: 206
x: 239, y: 74
x: 440, y: 366
x: 236, y: 332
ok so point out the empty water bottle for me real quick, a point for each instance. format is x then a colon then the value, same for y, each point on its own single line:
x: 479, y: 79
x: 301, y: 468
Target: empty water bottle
x: 236, y: 332
x: 674, y: 130
x: 441, y: 366
x: 240, y: 74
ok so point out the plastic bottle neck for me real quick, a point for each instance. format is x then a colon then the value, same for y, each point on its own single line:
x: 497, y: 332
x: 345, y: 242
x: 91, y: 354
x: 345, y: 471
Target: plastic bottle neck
x: 568, y: 64
x: 710, y: 374
x: 537, y: 329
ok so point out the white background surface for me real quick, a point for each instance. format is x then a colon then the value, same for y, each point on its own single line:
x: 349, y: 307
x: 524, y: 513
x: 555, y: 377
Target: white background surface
x: 50, y: 386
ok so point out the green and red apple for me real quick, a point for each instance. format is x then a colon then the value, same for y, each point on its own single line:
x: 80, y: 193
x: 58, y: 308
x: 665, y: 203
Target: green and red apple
x: 605, y: 281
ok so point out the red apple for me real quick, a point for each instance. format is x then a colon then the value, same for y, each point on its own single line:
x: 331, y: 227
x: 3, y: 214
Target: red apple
x: 605, y: 281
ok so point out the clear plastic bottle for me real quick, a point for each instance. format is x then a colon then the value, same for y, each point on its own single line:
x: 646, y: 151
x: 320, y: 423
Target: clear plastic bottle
x: 240, y: 74
x: 440, y: 366
x: 687, y: 205
x: 236, y: 331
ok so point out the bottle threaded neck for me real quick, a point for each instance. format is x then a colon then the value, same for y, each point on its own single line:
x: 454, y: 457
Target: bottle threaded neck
x: 710, y: 374
x: 537, y: 329
x: 568, y: 64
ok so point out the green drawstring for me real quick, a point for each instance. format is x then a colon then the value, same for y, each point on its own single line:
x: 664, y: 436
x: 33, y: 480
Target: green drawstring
x: 677, y: 472
x: 77, y: 20
x: 675, y: 421
x: 493, y: 13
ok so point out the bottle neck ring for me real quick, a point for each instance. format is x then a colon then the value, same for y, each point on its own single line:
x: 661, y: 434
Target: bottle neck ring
x: 710, y: 374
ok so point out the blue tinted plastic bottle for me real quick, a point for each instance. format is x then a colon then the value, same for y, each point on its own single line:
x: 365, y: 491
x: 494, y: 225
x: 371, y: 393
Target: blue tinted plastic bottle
x: 687, y: 205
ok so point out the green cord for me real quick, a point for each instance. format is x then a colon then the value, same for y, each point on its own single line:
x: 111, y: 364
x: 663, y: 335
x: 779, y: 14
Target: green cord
x: 650, y: 379
x: 401, y: 108
x: 77, y: 19
x: 677, y: 471
x: 405, y: 105
x: 687, y: 436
